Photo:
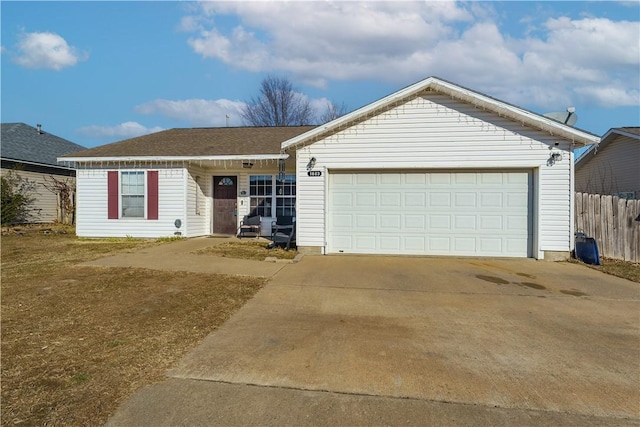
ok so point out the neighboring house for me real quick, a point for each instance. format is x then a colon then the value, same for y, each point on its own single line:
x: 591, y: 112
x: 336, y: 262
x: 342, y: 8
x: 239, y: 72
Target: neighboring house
x: 613, y: 166
x: 433, y: 169
x: 33, y: 154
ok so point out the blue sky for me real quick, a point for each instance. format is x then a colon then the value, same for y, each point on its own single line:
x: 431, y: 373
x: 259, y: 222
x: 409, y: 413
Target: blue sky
x: 99, y: 72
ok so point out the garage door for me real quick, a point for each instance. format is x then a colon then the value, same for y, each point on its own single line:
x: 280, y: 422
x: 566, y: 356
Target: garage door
x: 467, y: 213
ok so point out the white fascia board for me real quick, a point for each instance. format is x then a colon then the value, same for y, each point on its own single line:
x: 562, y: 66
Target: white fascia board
x: 517, y: 114
x: 46, y: 165
x: 576, y: 136
x: 173, y: 158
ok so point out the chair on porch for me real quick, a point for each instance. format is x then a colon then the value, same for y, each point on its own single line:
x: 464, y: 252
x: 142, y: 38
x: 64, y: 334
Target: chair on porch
x: 250, y: 224
x: 283, y: 231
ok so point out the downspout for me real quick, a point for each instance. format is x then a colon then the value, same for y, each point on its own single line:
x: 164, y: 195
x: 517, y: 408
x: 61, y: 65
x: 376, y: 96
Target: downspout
x: 572, y: 199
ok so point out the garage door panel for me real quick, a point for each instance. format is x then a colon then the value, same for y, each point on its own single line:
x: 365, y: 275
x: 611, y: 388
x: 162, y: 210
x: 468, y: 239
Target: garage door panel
x: 491, y: 245
x: 438, y: 245
x: 415, y: 200
x: 366, y: 200
x: 415, y: 223
x: 390, y: 199
x: 340, y: 200
x: 439, y: 179
x: 438, y: 213
x: 365, y: 222
x: 393, y: 179
x: 341, y: 221
x: 440, y: 200
x: 491, y: 223
x: 390, y: 222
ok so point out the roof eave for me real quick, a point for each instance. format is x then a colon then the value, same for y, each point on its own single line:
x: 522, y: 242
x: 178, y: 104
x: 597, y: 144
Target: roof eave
x: 576, y: 136
x: 604, y: 141
x: 173, y: 158
x: 46, y: 165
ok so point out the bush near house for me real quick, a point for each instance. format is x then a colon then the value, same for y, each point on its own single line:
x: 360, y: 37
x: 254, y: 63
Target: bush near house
x: 17, y: 198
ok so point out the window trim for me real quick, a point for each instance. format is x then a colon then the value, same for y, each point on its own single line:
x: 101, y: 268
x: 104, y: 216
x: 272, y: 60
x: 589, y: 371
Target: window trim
x: 144, y: 194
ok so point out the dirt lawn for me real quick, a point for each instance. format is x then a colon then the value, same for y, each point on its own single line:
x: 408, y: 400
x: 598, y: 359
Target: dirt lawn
x: 76, y: 341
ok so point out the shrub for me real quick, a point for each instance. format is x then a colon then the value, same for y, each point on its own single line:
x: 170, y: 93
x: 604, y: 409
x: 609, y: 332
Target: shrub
x: 17, y: 198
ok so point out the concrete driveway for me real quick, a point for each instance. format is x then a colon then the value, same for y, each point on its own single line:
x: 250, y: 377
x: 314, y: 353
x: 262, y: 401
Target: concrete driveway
x: 391, y: 340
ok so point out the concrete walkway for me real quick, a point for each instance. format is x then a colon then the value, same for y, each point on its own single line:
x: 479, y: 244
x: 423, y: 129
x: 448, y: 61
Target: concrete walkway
x: 180, y: 256
x: 351, y: 340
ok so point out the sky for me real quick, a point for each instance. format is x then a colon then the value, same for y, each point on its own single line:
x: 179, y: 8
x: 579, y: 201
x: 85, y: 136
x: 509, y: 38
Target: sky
x: 100, y: 72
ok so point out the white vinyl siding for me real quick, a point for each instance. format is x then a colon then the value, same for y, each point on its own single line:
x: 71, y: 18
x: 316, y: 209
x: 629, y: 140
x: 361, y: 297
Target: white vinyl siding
x: 91, y: 217
x: 199, y: 202
x: 432, y: 132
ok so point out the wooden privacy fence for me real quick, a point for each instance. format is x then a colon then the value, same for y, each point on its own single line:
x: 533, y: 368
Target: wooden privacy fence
x: 613, y: 222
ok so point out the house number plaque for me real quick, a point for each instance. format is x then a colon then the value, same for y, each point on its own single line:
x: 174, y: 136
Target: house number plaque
x: 314, y: 173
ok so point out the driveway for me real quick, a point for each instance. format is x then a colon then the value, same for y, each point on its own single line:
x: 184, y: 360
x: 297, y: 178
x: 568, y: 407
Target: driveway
x: 455, y: 341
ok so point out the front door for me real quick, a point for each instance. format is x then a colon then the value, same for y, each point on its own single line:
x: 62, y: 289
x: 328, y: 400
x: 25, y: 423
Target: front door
x: 224, y: 204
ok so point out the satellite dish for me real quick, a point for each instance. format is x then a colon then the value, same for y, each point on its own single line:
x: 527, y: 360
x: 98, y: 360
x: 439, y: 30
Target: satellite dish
x: 568, y: 117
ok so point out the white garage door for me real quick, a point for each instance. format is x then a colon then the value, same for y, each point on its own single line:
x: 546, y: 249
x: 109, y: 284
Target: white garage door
x: 467, y: 213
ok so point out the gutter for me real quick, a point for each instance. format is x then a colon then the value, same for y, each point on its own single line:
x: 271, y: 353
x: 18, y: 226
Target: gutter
x: 173, y: 158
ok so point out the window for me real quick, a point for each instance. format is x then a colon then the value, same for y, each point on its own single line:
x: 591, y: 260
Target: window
x: 266, y: 191
x: 126, y: 194
x: 286, y: 196
x: 261, y: 192
x: 132, y: 194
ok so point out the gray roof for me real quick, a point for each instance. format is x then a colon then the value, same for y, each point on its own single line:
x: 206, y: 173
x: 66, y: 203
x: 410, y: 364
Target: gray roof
x: 21, y: 142
x: 195, y: 142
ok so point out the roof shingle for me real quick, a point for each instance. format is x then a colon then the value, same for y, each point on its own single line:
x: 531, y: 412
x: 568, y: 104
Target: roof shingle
x: 24, y: 143
x: 199, y: 142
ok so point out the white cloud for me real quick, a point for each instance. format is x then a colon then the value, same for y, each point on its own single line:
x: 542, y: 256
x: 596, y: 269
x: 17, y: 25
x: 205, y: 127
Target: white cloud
x: 563, y: 61
x: 123, y: 130
x: 197, y: 112
x: 46, y: 50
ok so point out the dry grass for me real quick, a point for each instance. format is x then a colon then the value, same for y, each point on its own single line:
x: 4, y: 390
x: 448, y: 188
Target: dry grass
x: 76, y: 341
x: 247, y: 250
x: 625, y: 269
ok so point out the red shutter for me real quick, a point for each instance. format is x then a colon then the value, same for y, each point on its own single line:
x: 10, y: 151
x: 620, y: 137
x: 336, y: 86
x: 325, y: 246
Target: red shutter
x: 152, y: 194
x: 112, y: 194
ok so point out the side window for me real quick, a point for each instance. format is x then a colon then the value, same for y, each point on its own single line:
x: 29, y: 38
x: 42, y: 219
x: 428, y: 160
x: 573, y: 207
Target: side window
x: 132, y: 194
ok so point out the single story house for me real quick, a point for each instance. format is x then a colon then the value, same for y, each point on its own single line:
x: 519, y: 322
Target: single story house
x: 433, y: 169
x: 33, y: 154
x: 613, y: 166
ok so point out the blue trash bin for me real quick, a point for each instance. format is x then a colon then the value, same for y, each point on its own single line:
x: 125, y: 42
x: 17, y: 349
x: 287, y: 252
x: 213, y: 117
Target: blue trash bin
x: 587, y: 249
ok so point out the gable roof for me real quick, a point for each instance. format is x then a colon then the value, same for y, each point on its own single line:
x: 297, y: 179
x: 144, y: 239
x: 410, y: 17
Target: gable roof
x: 227, y: 143
x: 436, y: 84
x: 24, y: 143
x: 611, y: 135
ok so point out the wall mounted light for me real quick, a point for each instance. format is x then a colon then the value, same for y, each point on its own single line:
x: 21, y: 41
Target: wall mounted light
x: 555, y: 157
x: 247, y: 165
x: 311, y: 164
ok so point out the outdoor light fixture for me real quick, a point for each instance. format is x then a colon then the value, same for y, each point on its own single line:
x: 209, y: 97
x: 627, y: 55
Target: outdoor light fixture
x: 311, y: 164
x: 247, y: 165
x: 555, y: 157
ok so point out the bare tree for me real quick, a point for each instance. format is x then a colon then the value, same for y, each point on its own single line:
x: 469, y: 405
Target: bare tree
x: 333, y: 111
x: 278, y: 105
x: 65, y: 195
